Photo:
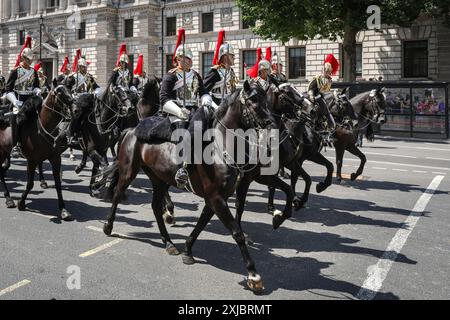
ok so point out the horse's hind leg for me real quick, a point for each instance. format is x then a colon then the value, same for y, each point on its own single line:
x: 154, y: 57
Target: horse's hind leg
x: 82, y: 165
x: 56, y: 169
x: 205, y: 217
x: 241, y: 195
x: 9, y: 202
x: 355, y: 151
x: 7, y: 163
x: 44, y: 184
x: 31, y: 167
x: 94, y: 193
x: 320, y: 159
x: 220, y: 207
x: 159, y: 191
x: 339, y: 161
x: 275, y: 182
x: 169, y: 209
x: 308, y: 181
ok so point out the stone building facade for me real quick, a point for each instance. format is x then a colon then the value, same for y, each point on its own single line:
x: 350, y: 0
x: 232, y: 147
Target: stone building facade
x: 100, y: 26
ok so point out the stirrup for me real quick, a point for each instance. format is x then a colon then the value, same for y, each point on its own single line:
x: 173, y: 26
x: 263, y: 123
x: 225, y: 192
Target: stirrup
x: 182, y: 178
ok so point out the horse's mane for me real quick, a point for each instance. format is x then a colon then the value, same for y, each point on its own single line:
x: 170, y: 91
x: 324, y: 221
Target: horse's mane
x: 148, y: 90
x: 226, y: 104
x: 85, y: 100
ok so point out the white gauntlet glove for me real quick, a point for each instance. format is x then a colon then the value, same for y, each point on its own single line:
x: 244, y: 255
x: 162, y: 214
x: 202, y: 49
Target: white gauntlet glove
x: 37, y: 92
x: 173, y: 109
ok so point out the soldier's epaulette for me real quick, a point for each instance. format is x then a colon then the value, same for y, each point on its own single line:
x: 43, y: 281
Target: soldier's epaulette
x: 173, y: 70
x: 117, y: 69
x: 216, y: 67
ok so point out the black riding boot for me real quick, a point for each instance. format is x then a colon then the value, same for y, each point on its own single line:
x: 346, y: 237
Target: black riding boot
x: 16, y: 151
x: 74, y: 128
x: 182, y: 175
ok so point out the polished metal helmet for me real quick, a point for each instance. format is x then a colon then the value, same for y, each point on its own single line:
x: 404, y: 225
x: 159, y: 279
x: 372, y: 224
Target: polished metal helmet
x: 124, y: 58
x: 27, y: 53
x: 328, y: 68
x: 187, y: 52
x: 226, y: 48
x: 263, y: 65
x: 82, y: 62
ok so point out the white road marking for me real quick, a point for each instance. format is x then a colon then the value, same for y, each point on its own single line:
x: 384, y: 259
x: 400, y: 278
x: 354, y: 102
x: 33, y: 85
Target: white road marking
x: 396, y: 164
x: 439, y: 159
x: 400, y: 170
x: 390, y: 155
x: 42, y: 215
x: 416, y: 148
x: 378, y: 168
x: 419, y: 171
x: 14, y: 287
x: 378, y: 273
x: 435, y: 172
x: 100, y: 248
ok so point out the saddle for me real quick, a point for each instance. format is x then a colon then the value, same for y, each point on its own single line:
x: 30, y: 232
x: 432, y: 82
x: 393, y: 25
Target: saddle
x: 154, y: 129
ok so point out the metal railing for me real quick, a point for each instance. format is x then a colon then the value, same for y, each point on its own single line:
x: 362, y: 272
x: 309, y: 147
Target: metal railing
x: 414, y: 108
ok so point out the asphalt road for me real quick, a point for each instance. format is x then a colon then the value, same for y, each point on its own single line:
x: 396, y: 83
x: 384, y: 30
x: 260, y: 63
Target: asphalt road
x: 385, y: 236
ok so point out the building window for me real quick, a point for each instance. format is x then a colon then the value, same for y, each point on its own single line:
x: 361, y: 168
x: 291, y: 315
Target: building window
x: 24, y: 7
x: 297, y: 63
x: 248, y: 61
x: 131, y: 64
x: 129, y: 28
x: 207, y: 62
x: 358, y: 70
x: 171, y: 26
x: 21, y: 37
x: 415, y: 59
x: 208, y: 22
x: 82, y: 31
x: 52, y: 4
x: 169, y: 62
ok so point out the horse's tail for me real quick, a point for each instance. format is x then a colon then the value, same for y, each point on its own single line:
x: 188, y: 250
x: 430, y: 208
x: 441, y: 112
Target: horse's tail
x: 370, y: 134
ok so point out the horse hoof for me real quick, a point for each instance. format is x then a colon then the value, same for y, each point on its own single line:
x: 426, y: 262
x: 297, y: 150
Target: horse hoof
x: 10, y: 204
x: 107, y: 229
x: 321, y: 187
x: 271, y: 210
x: 277, y: 221
x: 66, y: 216
x: 249, y: 241
x: 298, y: 204
x: 339, y: 180
x: 255, y: 284
x: 188, y: 259
x: 353, y: 176
x: 172, y: 250
x: 21, y: 206
x: 44, y: 185
x: 169, y: 218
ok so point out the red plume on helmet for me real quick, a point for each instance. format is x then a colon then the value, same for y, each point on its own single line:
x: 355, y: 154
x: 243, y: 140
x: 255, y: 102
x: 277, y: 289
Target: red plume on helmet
x: 123, y: 49
x: 75, y: 61
x: 27, y: 44
x: 181, y: 39
x: 37, y: 66
x: 139, y: 65
x: 334, y: 63
x: 65, y: 65
x: 253, y: 71
x: 220, y: 42
x: 268, y: 55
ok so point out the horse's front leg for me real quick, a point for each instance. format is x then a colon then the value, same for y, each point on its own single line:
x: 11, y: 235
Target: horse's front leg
x: 241, y: 195
x: 169, y: 209
x: 340, y: 150
x: 31, y: 167
x: 82, y: 165
x: 356, y: 152
x: 56, y: 169
x: 9, y: 202
x: 44, y: 184
x: 7, y: 163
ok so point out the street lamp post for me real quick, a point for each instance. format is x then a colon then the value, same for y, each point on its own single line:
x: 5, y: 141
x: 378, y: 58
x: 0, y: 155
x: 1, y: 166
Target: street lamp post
x: 163, y: 6
x: 41, y: 23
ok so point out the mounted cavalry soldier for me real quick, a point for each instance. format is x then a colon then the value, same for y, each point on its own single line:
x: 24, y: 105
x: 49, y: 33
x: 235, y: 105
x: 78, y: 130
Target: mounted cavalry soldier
x: 64, y: 72
x: 277, y: 76
x: 182, y: 92
x: 82, y: 82
x: 140, y: 76
x: 23, y: 82
x: 122, y: 75
x: 43, y: 81
x: 320, y: 85
x: 221, y: 80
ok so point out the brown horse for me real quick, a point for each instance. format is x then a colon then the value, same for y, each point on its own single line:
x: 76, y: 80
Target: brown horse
x: 215, y: 183
x: 41, y: 139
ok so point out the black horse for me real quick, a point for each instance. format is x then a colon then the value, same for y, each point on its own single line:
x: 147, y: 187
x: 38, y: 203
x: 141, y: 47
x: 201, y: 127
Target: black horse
x: 215, y: 182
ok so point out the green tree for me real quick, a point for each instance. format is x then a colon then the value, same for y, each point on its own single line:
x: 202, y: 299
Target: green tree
x: 329, y: 19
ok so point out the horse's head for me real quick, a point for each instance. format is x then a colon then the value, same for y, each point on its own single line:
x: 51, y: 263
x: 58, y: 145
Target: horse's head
x: 293, y: 101
x: 84, y: 101
x: 122, y: 101
x: 63, y: 98
x: 376, y: 106
x: 342, y: 104
x: 256, y: 103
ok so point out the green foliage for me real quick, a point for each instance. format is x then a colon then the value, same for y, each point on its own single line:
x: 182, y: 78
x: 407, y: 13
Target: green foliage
x: 306, y: 19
